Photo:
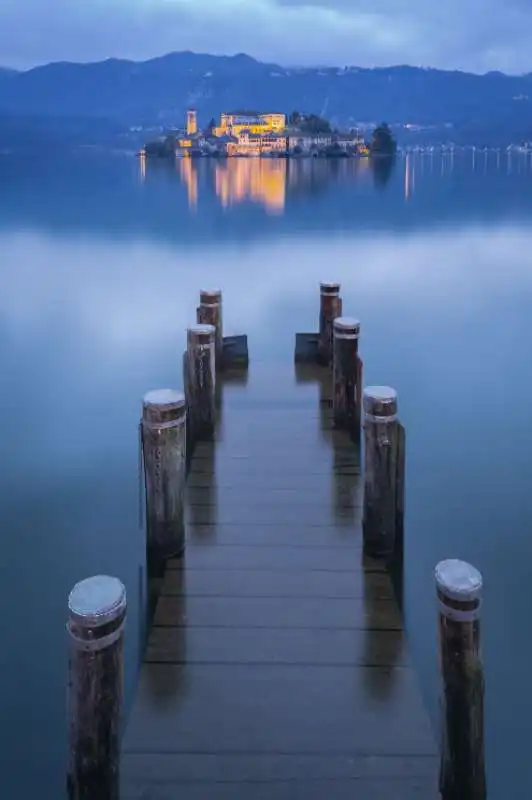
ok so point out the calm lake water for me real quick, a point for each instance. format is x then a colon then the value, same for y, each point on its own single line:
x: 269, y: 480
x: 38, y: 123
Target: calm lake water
x: 102, y: 260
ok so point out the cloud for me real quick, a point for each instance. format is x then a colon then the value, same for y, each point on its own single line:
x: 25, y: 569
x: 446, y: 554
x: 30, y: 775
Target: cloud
x: 467, y: 34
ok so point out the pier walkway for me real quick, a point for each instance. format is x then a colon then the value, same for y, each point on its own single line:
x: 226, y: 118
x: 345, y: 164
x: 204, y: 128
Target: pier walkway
x: 277, y: 667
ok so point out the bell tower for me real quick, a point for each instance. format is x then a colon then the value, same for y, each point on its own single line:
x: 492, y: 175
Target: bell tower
x: 192, y: 122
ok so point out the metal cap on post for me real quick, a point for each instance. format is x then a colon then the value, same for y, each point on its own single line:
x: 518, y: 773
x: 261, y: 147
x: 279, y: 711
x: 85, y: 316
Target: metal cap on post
x: 96, y: 619
x: 94, y: 603
x: 460, y: 583
x: 380, y: 404
x: 329, y: 289
x: 346, y: 328
x: 212, y: 297
x: 201, y: 334
x: 459, y: 595
x: 163, y: 408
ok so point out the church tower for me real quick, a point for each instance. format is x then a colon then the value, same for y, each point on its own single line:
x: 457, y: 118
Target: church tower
x: 192, y: 122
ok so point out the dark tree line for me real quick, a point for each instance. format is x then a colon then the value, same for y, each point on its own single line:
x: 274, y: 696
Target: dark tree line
x: 382, y: 141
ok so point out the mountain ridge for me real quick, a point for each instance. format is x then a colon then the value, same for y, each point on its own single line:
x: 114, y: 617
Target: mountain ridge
x: 157, y: 91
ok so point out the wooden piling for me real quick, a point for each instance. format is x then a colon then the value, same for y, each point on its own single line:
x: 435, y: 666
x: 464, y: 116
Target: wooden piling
x: 164, y: 450
x: 346, y: 375
x: 209, y: 312
x: 200, y: 382
x: 96, y: 619
x: 383, y: 485
x: 330, y: 308
x: 459, y: 590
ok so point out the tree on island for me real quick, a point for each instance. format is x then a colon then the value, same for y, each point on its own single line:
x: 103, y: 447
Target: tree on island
x: 309, y: 123
x: 294, y: 118
x: 382, y: 141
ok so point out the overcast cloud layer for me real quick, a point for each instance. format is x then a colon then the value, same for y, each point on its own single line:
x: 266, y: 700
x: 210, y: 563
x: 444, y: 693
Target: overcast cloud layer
x: 476, y: 35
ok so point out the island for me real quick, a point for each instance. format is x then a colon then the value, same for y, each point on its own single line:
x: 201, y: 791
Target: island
x: 245, y: 133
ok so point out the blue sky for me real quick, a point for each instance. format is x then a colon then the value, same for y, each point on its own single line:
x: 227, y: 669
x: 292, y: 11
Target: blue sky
x: 476, y: 35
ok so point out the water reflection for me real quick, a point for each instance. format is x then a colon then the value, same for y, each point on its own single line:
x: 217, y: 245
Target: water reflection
x: 259, y: 180
x: 346, y: 481
x: 202, y: 496
x: 189, y: 176
x: 383, y: 646
x: 267, y: 182
x: 168, y: 643
x: 382, y: 169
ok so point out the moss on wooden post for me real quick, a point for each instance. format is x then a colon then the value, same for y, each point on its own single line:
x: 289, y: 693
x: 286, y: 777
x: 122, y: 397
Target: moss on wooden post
x: 209, y: 312
x: 330, y: 308
x: 458, y: 591
x: 200, y: 382
x: 380, y: 471
x: 164, y: 449
x: 346, y: 375
x: 96, y: 619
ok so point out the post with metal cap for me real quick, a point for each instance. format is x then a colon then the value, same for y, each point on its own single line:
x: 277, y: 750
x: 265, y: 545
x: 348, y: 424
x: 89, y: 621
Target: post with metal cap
x: 347, y: 375
x: 459, y: 590
x: 96, y: 619
x: 163, y: 429
x: 209, y: 312
x: 330, y: 308
x: 200, y: 382
x: 383, y: 486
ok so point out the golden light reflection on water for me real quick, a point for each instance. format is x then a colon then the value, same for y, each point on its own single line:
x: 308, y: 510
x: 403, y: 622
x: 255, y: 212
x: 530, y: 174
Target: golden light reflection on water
x: 269, y: 182
x: 189, y: 176
x: 261, y: 181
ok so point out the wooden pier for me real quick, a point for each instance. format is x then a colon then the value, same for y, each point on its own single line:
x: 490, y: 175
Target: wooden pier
x: 277, y: 665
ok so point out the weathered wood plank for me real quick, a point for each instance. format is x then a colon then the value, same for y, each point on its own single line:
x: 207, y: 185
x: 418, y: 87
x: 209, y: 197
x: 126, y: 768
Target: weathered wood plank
x: 301, y: 612
x: 276, y: 583
x: 331, y: 788
x: 249, y: 768
x: 272, y: 480
x: 350, y: 495
x: 248, y: 515
x: 272, y: 558
x: 284, y: 709
x: 311, y: 647
x: 329, y: 536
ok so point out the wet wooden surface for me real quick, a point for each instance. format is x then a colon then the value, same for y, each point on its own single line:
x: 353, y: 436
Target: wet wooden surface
x: 277, y: 666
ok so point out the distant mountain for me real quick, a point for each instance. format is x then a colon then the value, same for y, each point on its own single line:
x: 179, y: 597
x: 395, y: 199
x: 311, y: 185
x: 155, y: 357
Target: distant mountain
x: 157, y: 92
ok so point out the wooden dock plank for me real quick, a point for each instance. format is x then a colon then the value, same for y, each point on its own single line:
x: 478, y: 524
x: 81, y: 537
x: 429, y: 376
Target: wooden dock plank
x: 252, y: 767
x: 329, y: 788
x: 293, y: 536
x: 265, y: 708
x: 271, y: 558
x: 277, y: 666
x: 307, y: 646
x: 286, y: 583
x: 268, y: 612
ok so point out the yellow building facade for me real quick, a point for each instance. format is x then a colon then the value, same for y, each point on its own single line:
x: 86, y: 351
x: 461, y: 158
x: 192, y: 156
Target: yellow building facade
x: 233, y: 124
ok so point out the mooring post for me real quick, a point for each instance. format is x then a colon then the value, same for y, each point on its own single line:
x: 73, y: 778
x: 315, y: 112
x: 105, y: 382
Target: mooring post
x: 383, y: 483
x: 330, y: 308
x: 96, y: 619
x: 164, y: 449
x: 459, y: 590
x: 200, y: 382
x: 209, y: 312
x: 346, y: 375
